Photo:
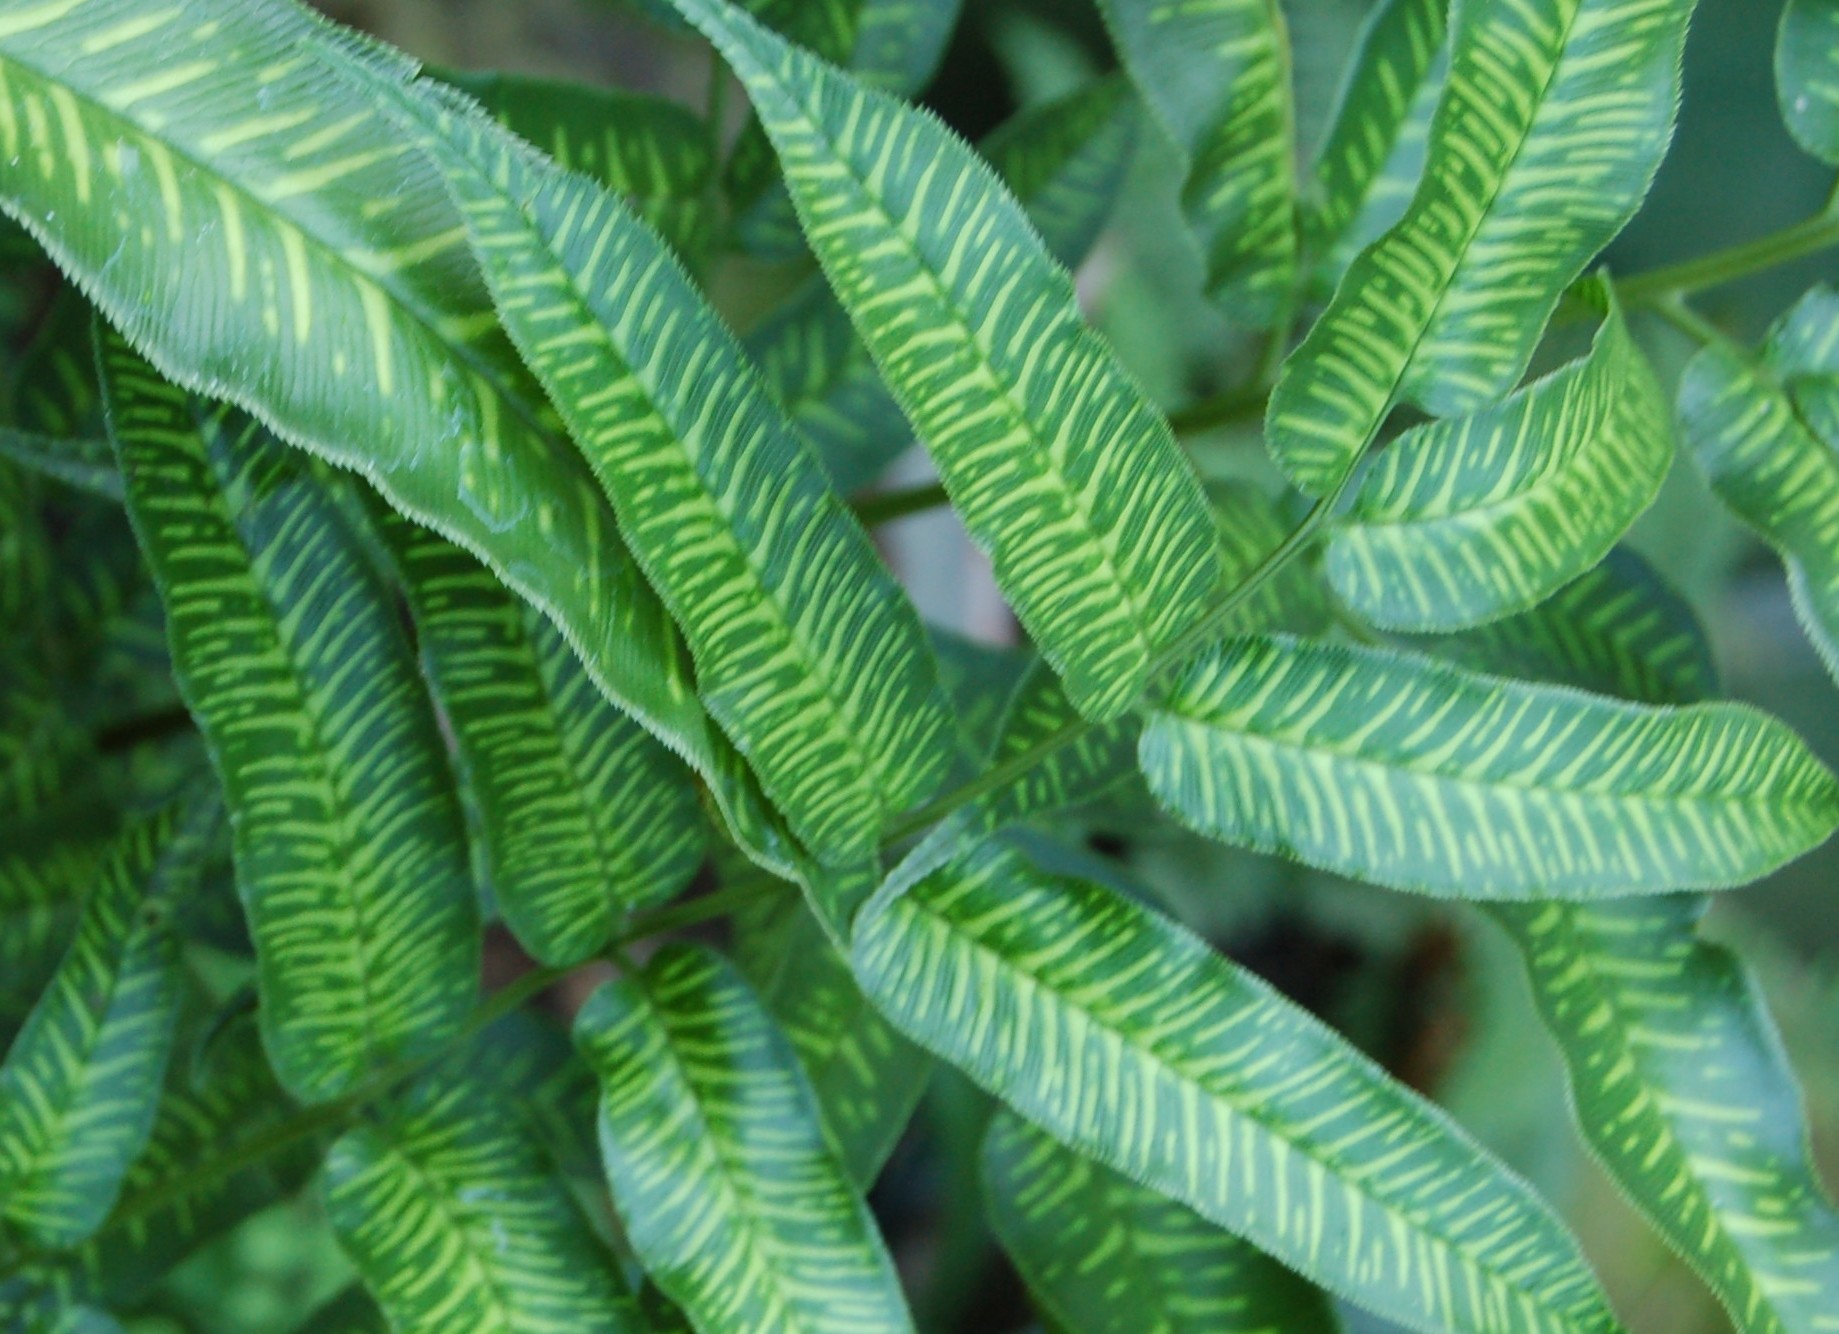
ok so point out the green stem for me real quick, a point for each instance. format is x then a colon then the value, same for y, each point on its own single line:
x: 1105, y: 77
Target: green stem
x: 1652, y: 289
x: 887, y: 506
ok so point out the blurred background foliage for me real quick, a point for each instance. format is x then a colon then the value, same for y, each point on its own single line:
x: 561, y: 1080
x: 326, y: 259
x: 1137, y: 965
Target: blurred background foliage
x: 1436, y: 996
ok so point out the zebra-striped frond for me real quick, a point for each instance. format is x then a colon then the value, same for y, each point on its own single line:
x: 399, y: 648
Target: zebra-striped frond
x: 349, y: 844
x: 1807, y: 74
x: 1104, y: 1255
x: 1064, y: 160
x: 1554, y: 117
x: 456, y: 1221
x: 1216, y: 73
x: 1071, y: 481
x: 1420, y: 776
x: 1128, y: 1039
x: 1765, y: 432
x: 583, y: 816
x: 81, y: 1080
x: 807, y: 652
x: 656, y: 154
x: 731, y: 1192
x: 1466, y: 520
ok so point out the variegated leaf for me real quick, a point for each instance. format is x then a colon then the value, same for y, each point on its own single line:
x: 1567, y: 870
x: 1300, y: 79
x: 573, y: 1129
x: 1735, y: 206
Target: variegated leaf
x: 1807, y: 74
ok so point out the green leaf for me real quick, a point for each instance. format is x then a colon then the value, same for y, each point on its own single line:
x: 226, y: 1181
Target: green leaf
x: 1765, y: 432
x: 81, y: 1081
x: 350, y: 849
x: 584, y: 815
x: 353, y: 1311
x: 455, y: 1221
x: 1065, y: 160
x: 1059, y: 468
x: 1103, y: 1255
x: 1464, y: 521
x: 84, y: 464
x: 1419, y: 776
x: 730, y: 1191
x: 1807, y: 74
x: 1129, y: 1040
x: 302, y: 259
x: 1617, y: 630
x: 807, y: 652
x: 1681, y: 1088
x: 1375, y: 111
x: 1216, y: 73
x: 659, y: 156
x: 1554, y: 118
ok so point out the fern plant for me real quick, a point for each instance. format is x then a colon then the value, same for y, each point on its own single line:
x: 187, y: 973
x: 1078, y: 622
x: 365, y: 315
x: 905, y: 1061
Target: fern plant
x: 400, y: 551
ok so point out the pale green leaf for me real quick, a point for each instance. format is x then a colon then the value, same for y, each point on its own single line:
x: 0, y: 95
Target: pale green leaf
x: 349, y: 844
x: 1765, y: 432
x: 1807, y: 74
x: 1129, y: 1040
x: 730, y: 1191
x: 1060, y: 469
x: 456, y: 1221
x: 1420, y: 776
x: 1216, y: 73
x: 1466, y: 520
x: 1104, y: 1255
x: 583, y: 815
x: 1553, y: 120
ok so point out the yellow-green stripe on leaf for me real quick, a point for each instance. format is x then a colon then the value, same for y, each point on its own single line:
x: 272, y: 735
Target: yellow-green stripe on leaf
x: 1216, y: 73
x: 1807, y: 74
x: 1466, y: 520
x: 1129, y: 1040
x: 1551, y: 124
x: 1765, y: 432
x: 1075, y: 486
x: 583, y: 815
x: 807, y: 652
x: 730, y: 1190
x: 1420, y: 776
x: 1104, y: 1255
x: 348, y: 839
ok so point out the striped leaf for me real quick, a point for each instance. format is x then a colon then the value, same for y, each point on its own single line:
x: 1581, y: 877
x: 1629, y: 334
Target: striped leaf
x: 1466, y: 520
x: 1103, y: 1255
x: 1765, y: 432
x: 456, y: 1221
x: 1420, y: 776
x: 731, y: 1193
x: 350, y: 849
x: 1553, y: 120
x: 82, y: 463
x: 806, y: 651
x: 300, y: 258
x: 1216, y: 73
x: 1065, y: 161
x: 54, y: 381
x: 81, y: 1080
x: 1617, y: 630
x: 1394, y: 61
x: 1066, y: 476
x: 1807, y: 74
x: 583, y: 815
x: 659, y: 156
x: 1127, y: 1039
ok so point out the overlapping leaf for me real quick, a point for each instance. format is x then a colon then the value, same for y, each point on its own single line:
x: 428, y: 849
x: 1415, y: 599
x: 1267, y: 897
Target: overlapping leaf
x: 1103, y: 1255
x: 730, y: 1191
x: 81, y: 1080
x: 1064, y: 160
x: 1765, y: 432
x: 1413, y: 774
x: 1129, y: 1040
x: 1807, y: 74
x: 1217, y: 75
x: 349, y: 844
x: 1554, y: 117
x: 1073, y: 483
x: 806, y: 651
x: 1464, y: 521
x: 455, y: 1220
x: 583, y: 815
